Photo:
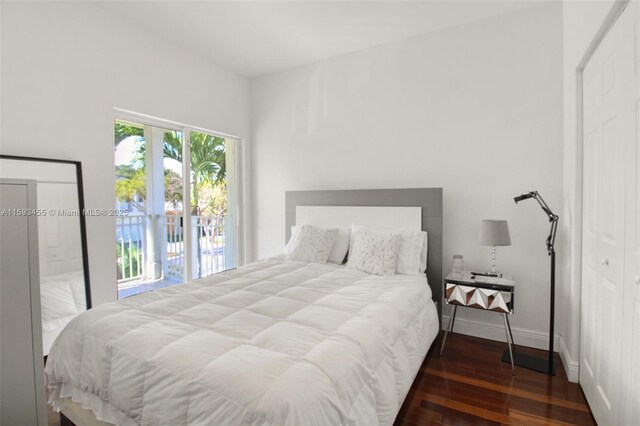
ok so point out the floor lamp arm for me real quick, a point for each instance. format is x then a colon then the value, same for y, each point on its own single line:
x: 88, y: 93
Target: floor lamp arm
x: 553, y: 218
x: 530, y: 362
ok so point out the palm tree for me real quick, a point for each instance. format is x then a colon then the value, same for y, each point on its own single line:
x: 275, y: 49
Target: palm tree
x: 208, y: 160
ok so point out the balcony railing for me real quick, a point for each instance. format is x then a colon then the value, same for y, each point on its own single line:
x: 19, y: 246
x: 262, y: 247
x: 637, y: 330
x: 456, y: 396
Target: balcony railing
x: 131, y: 234
x: 173, y: 250
x: 208, y: 246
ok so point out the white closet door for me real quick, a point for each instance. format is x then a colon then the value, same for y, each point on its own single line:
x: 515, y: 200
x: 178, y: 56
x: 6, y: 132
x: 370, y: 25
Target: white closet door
x: 631, y: 324
x: 60, y: 246
x: 609, y: 128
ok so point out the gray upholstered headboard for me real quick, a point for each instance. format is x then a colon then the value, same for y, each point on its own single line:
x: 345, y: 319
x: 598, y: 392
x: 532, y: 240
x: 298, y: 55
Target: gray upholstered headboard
x: 430, y: 199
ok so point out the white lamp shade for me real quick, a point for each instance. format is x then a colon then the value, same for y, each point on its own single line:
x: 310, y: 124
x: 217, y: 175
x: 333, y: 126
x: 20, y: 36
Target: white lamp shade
x: 495, y: 233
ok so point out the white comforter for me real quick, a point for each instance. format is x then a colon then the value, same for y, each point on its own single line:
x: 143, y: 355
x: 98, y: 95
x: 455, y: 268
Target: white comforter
x: 272, y: 343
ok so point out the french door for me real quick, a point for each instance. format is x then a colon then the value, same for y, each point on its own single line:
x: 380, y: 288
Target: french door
x: 176, y: 204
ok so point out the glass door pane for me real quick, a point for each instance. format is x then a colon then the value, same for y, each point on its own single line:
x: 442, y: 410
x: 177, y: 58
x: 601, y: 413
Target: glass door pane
x: 213, y: 204
x: 172, y: 247
x: 149, y: 244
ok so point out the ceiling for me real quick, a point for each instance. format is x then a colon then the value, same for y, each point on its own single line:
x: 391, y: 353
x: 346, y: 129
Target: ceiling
x: 253, y: 38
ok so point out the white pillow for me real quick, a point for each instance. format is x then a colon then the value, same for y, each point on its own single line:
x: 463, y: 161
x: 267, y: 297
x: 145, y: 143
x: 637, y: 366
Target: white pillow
x: 56, y: 298
x: 310, y: 243
x: 340, y: 247
x: 411, y: 243
x: 423, y: 254
x: 373, y: 252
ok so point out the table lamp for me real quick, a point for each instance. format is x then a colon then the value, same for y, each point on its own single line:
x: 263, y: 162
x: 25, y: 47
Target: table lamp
x: 494, y: 233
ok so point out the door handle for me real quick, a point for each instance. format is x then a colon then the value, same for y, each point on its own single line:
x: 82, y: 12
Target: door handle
x: 638, y: 279
x: 605, y: 261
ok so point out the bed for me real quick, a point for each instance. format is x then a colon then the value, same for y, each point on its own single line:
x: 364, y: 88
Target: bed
x: 274, y: 342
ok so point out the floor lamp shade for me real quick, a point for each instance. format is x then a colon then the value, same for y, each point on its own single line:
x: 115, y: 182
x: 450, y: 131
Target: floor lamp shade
x: 495, y: 233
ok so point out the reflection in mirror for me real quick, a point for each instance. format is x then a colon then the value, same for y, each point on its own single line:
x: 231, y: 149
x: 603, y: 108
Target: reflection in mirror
x: 63, y: 287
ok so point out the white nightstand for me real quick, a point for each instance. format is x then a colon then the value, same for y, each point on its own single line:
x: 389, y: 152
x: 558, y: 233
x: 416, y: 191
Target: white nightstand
x: 480, y: 292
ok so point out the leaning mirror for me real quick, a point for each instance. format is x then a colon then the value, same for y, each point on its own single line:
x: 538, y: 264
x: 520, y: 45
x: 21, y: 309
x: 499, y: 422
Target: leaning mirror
x: 62, y: 244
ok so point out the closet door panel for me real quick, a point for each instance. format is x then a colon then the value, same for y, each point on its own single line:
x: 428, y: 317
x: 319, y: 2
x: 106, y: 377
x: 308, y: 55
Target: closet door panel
x: 589, y: 355
x: 634, y: 399
x: 604, y: 195
x: 633, y: 403
x: 634, y: 361
x: 631, y: 325
x: 588, y: 366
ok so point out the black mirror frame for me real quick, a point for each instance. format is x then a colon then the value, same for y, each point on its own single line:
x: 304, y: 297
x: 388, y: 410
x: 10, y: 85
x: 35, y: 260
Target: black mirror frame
x: 81, y: 208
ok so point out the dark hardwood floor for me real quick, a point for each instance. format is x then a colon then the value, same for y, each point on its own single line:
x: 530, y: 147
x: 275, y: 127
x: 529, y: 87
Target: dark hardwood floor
x: 470, y: 385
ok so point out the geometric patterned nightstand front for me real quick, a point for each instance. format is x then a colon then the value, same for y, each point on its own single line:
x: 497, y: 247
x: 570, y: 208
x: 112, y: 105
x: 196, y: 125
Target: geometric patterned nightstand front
x: 479, y: 298
x: 488, y: 293
x: 480, y: 292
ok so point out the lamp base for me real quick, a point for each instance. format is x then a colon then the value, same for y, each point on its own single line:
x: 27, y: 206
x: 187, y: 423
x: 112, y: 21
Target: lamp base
x: 534, y: 363
x: 493, y: 259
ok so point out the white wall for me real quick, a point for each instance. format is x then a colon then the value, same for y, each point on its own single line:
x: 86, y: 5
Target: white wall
x: 66, y: 65
x: 475, y: 109
x: 581, y: 21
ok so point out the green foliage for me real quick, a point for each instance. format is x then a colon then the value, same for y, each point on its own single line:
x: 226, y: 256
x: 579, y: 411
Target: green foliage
x: 131, y: 185
x: 132, y: 255
x: 123, y: 131
x: 213, y: 199
x: 208, y: 154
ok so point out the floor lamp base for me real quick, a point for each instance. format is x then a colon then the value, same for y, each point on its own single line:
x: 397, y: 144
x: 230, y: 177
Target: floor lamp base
x: 531, y: 362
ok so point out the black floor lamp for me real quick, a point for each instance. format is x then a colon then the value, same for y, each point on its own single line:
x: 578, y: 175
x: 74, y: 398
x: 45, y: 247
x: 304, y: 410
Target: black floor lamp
x: 534, y: 363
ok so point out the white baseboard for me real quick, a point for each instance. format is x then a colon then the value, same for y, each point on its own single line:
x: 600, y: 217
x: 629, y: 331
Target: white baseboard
x: 521, y: 336
x: 571, y: 366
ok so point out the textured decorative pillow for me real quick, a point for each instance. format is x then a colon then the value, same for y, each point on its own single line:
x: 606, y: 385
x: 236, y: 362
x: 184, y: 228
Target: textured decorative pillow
x: 373, y: 252
x: 340, y: 247
x: 309, y: 243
